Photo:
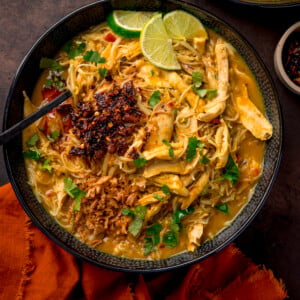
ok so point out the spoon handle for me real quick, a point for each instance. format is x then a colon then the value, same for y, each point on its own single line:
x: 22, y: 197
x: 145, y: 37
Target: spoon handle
x: 13, y: 131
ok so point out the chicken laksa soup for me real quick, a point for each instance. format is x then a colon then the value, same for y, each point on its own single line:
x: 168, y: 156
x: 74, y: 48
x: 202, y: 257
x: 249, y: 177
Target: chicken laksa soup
x: 146, y: 160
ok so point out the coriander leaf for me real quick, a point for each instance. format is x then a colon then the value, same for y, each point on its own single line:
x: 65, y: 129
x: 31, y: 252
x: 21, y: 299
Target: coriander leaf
x: 48, y: 63
x: 154, y: 98
x: 94, y: 57
x: 165, y: 190
x: 127, y: 212
x: 158, y: 197
x: 48, y: 83
x: 140, y: 211
x: 46, y: 165
x: 204, y: 160
x: 135, y: 226
x: 140, y: 162
x: 223, y: 208
x: 32, y: 140
x: 171, y: 151
x: 193, y: 144
x: 152, y: 72
x: 154, y: 230
x: 33, y: 154
x: 212, y: 94
x: 200, y: 92
x: 179, y: 214
x: 102, y: 72
x: 54, y: 135
x: 74, y: 49
x: 170, y: 239
x: 148, y: 246
x: 197, y: 78
x: 232, y: 172
x: 72, y: 190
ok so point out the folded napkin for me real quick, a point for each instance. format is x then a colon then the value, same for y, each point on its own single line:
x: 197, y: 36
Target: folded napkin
x: 33, y: 267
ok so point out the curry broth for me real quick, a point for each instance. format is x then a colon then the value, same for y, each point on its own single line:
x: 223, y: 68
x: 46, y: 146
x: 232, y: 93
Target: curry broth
x: 130, y: 247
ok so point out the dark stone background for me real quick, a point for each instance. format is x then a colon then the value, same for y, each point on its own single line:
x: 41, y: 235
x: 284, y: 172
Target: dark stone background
x: 273, y: 238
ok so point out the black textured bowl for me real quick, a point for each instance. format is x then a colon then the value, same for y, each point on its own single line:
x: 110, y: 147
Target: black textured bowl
x: 26, y: 78
x: 269, y: 3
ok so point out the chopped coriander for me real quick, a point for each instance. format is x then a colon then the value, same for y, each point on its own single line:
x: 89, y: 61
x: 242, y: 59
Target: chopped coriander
x: 179, y: 214
x: 204, y: 191
x: 204, y: 160
x: 200, y: 92
x: 170, y: 239
x: 193, y: 144
x: 152, y: 72
x: 94, y: 57
x: 232, y: 172
x: 185, y: 120
x: 102, y: 72
x: 152, y: 238
x: 222, y: 207
x: 197, y: 78
x: 158, y: 197
x: 33, y: 154
x: 212, y: 93
x: 48, y: 83
x: 32, y: 140
x: 154, y: 98
x: 127, y: 212
x: 54, y: 135
x: 140, y: 162
x: 74, y: 49
x: 165, y: 190
x: 72, y: 190
x: 171, y: 151
x: 138, y: 214
x: 46, y: 165
x: 48, y: 63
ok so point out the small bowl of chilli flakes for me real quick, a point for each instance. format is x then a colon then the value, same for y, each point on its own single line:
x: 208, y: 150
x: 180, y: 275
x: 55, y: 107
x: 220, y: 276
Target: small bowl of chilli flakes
x: 287, y: 58
x: 167, y: 148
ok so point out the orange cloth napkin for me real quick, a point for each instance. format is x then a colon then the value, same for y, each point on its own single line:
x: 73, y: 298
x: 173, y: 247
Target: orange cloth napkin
x: 33, y: 267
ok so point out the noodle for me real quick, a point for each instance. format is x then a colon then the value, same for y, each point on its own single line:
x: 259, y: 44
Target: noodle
x: 139, y: 146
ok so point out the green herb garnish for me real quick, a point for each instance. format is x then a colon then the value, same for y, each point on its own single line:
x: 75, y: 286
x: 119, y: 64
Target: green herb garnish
x: 170, y: 239
x: 140, y: 162
x: 154, y: 98
x: 210, y: 93
x: 54, y: 135
x: 32, y: 140
x: 171, y: 151
x: 152, y: 72
x: 204, y: 160
x: 158, y: 197
x: 72, y: 190
x: 49, y: 63
x: 102, y: 72
x: 46, y: 165
x: 138, y: 214
x: 232, y: 172
x: 33, y: 154
x: 165, y: 189
x: 94, y: 56
x: 74, y: 49
x: 193, y: 144
x: 223, y: 208
x: 197, y: 78
x: 152, y: 238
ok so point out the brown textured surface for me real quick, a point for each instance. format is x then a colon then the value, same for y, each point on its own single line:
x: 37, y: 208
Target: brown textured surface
x: 273, y: 238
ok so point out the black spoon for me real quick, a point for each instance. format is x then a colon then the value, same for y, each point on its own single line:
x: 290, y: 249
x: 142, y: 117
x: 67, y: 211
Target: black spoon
x: 13, y: 131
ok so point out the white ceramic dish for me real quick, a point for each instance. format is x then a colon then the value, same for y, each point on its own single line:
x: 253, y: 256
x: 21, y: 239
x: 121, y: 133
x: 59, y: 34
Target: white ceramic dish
x: 278, y: 59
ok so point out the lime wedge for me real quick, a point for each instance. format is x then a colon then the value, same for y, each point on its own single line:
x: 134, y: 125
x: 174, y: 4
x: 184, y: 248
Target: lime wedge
x: 156, y: 45
x: 127, y: 23
x: 183, y: 26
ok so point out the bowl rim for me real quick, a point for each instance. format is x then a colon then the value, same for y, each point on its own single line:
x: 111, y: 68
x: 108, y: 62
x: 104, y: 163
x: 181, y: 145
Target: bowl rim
x: 268, y: 5
x: 278, y: 64
x: 166, y: 267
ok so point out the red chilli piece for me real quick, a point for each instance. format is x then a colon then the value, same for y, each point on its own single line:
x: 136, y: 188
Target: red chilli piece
x: 50, y: 94
x: 110, y: 37
x: 215, y: 121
